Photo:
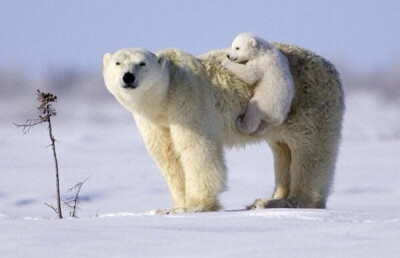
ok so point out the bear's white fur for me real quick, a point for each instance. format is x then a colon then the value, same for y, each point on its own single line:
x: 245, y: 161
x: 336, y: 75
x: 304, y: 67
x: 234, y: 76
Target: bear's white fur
x: 186, y: 107
x: 256, y: 61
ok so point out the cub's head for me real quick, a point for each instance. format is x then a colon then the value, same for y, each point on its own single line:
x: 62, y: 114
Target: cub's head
x: 130, y: 74
x: 243, y: 49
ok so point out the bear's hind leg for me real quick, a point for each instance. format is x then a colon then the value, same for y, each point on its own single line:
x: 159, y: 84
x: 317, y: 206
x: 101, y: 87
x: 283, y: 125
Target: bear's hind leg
x: 282, y: 161
x: 311, y: 173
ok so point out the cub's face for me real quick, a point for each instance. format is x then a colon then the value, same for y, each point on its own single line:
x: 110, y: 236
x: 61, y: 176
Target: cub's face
x: 129, y: 73
x: 243, y: 49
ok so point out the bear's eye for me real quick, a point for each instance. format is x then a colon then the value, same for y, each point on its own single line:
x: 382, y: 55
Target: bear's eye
x: 237, y: 48
x: 142, y: 64
x: 117, y: 63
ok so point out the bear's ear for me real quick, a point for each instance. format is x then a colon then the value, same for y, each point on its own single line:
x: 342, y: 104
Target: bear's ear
x: 106, y: 59
x: 162, y: 61
x: 253, y: 42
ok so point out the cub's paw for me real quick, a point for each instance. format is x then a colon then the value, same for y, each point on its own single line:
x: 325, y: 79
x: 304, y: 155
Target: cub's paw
x: 244, y: 127
x: 226, y: 63
x: 262, y: 128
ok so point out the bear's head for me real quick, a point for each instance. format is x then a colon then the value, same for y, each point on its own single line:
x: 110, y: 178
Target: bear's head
x: 243, y: 49
x: 130, y: 74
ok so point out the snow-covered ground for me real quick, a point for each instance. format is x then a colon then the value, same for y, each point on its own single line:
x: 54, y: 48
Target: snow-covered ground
x: 101, y: 141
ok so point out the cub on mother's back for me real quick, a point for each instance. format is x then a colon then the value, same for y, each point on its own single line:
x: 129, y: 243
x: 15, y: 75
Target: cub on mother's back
x: 258, y: 62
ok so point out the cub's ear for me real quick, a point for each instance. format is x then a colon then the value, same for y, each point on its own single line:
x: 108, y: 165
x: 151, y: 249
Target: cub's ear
x: 162, y: 61
x: 253, y: 42
x: 106, y: 59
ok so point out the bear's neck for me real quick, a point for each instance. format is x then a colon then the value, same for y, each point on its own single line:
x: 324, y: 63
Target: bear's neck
x: 152, y: 105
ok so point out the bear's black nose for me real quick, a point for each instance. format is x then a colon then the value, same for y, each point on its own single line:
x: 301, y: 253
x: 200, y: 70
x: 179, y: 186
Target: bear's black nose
x: 228, y: 56
x: 128, y: 78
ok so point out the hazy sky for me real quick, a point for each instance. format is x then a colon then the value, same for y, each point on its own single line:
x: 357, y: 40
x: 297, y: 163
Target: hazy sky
x: 39, y: 34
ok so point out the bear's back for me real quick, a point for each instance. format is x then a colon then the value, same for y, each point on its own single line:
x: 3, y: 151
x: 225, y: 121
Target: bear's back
x: 318, y: 104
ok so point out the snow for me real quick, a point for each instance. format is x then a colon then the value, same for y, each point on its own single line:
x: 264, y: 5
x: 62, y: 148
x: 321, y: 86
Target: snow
x: 362, y: 218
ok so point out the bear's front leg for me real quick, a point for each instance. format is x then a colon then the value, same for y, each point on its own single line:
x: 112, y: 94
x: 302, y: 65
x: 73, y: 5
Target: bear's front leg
x: 159, y: 145
x: 201, y: 156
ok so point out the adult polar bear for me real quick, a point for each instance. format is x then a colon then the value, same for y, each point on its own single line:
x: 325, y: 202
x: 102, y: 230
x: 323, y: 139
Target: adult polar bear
x: 186, y: 110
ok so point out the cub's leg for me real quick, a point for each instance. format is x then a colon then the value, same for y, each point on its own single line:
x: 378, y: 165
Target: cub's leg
x: 159, y: 145
x: 201, y: 156
x: 250, y: 121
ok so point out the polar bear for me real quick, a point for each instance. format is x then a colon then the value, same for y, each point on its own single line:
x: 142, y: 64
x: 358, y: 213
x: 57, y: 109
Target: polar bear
x: 185, y: 108
x: 256, y: 61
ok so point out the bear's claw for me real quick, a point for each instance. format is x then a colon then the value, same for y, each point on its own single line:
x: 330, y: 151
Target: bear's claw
x: 268, y: 203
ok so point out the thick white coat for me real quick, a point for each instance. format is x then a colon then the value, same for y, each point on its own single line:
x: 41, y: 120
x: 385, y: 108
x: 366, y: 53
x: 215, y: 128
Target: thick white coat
x: 185, y: 108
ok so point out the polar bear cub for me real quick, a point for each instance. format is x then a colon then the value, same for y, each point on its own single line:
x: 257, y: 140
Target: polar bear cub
x: 257, y: 62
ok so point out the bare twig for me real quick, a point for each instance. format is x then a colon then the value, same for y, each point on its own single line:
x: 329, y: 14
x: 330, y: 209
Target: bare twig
x: 51, y: 207
x: 30, y: 123
x: 73, y: 202
x: 46, y: 111
x: 53, y: 146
